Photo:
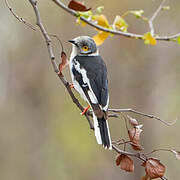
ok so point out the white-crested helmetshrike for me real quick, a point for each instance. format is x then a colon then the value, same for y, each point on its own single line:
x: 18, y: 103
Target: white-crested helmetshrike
x: 89, y: 77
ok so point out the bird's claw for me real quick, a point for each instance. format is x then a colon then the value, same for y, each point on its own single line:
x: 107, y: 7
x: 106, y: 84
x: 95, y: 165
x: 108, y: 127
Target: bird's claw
x: 71, y: 85
x: 85, y: 110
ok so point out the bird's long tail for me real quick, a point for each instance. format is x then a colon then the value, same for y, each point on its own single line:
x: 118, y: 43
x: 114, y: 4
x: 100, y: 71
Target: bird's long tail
x: 102, y: 133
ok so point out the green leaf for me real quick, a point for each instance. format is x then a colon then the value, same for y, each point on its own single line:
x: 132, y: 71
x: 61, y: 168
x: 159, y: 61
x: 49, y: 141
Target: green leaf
x: 166, y: 8
x: 85, y: 14
x: 120, y: 23
x: 99, y: 9
x: 137, y: 13
x: 178, y: 39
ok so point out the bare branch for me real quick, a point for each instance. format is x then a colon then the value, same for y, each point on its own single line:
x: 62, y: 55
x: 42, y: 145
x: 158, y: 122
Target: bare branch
x: 126, y: 34
x: 142, y: 114
x: 138, y: 155
x: 154, y: 16
x: 55, y: 36
x: 156, y: 150
x: 20, y: 19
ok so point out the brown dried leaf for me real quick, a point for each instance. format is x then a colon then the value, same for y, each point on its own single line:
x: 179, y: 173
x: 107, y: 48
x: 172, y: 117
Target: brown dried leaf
x: 64, y: 61
x: 126, y: 163
x: 118, y: 159
x: 77, y: 6
x: 177, y: 153
x: 137, y: 147
x: 143, y: 164
x: 134, y: 136
x: 154, y: 169
x: 132, y: 121
x: 146, y: 177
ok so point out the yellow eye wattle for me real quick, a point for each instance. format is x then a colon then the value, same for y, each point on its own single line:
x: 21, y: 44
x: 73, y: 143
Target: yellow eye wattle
x: 85, y: 48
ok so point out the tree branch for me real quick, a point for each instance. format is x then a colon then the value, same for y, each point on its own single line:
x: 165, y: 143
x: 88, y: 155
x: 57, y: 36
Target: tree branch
x: 115, y: 32
x: 142, y: 114
x: 20, y: 19
x: 52, y: 57
x: 154, y: 16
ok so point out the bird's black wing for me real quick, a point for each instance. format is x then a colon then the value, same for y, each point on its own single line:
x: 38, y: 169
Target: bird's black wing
x: 97, y: 74
x: 91, y: 74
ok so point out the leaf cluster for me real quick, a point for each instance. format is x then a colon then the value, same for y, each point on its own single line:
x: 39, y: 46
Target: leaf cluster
x: 119, y: 23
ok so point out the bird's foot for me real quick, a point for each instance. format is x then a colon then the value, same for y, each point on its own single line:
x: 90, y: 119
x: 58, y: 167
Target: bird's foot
x: 85, y: 110
x: 71, y: 85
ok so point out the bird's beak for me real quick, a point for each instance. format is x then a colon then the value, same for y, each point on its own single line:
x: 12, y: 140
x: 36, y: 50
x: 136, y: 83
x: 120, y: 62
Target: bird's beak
x: 72, y: 41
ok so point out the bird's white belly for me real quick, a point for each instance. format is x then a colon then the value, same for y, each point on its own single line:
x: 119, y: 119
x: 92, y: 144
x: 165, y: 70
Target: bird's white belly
x: 79, y: 90
x: 76, y: 85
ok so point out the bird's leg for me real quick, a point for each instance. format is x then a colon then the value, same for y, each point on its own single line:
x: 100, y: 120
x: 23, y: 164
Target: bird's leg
x: 85, y: 110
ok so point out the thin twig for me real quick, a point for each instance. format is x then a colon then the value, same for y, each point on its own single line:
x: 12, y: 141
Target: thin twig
x: 156, y: 150
x: 113, y: 115
x: 59, y: 40
x: 138, y: 155
x: 142, y: 114
x: 20, y: 19
x: 125, y: 120
x: 119, y: 142
x: 154, y: 16
x: 126, y: 34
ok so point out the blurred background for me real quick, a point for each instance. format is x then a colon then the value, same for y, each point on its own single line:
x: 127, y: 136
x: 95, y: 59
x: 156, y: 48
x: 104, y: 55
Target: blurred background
x: 42, y: 135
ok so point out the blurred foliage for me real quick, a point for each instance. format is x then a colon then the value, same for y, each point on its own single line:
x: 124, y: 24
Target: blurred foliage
x: 42, y: 134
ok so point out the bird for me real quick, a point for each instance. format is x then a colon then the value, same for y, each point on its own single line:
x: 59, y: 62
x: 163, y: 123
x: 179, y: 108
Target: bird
x: 89, y: 77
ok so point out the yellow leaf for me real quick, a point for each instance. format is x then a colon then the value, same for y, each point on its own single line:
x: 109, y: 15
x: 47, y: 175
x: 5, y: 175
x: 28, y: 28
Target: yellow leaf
x: 149, y: 39
x: 86, y: 14
x: 80, y: 22
x: 100, y: 37
x: 178, y: 39
x: 83, y: 24
x: 120, y: 23
x: 101, y: 20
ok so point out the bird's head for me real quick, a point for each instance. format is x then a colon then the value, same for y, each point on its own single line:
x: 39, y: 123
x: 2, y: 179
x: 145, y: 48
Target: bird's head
x: 84, y: 45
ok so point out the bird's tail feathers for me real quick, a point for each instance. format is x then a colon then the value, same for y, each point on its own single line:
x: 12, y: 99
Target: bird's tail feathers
x: 97, y: 130
x: 102, y: 132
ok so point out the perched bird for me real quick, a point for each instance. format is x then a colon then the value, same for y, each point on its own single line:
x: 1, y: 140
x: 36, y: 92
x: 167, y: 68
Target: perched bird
x: 89, y: 77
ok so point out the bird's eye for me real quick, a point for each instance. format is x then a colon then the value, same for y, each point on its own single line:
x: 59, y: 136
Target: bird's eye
x: 85, y: 48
